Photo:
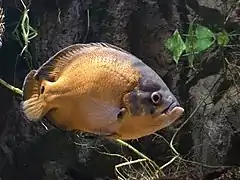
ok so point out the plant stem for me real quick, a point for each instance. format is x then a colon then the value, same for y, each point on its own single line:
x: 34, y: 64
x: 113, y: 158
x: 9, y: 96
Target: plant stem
x: 12, y: 88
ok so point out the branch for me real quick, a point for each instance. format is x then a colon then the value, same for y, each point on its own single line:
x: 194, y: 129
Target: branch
x: 2, y: 27
x: 12, y: 88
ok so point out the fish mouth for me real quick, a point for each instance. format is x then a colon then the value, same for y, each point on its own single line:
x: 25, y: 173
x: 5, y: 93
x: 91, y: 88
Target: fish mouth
x: 170, y: 107
x: 167, y: 110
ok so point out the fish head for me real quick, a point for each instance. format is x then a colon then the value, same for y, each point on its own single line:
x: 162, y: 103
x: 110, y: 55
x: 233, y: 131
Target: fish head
x: 153, y: 99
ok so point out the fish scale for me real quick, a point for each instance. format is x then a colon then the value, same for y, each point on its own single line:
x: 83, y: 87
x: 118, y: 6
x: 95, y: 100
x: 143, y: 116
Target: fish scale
x: 102, y: 89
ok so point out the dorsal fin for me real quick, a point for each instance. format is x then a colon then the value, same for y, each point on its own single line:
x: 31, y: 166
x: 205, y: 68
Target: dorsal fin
x: 53, y: 67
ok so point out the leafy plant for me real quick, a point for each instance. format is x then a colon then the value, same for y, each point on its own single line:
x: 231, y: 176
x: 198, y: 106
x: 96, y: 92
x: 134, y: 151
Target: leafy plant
x: 26, y: 31
x: 176, y: 45
x: 198, y: 39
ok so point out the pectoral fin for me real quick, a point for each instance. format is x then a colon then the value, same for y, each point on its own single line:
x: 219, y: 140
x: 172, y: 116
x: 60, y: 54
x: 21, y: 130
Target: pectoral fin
x: 105, y: 118
x: 100, y: 110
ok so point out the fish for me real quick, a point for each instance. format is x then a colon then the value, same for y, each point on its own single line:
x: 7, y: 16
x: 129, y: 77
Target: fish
x: 99, y: 88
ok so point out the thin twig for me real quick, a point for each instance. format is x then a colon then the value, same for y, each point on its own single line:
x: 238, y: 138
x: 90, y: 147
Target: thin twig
x: 12, y: 88
x: 192, y: 114
x: 139, y: 153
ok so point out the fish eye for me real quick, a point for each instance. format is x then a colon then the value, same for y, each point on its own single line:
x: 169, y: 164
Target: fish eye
x: 156, y: 97
x: 121, y: 113
x: 42, y: 90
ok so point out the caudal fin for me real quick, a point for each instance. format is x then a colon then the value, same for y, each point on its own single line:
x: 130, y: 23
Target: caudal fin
x: 33, y: 105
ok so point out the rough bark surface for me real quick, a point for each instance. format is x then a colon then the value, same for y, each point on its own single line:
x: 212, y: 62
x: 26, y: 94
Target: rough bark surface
x: 29, y: 151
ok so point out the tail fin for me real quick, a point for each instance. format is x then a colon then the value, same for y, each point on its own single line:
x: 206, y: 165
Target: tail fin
x: 32, y: 105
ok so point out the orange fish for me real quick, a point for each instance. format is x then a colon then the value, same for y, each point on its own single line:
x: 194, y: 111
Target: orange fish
x: 102, y: 89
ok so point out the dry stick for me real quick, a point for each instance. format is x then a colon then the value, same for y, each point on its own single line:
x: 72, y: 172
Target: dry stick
x: 2, y: 27
x: 12, y: 88
x: 195, y: 110
x: 139, y: 153
x: 233, y: 7
x: 177, y: 154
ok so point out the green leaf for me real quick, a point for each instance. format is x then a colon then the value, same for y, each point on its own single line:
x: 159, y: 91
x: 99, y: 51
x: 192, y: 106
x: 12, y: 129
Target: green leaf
x: 223, y: 38
x: 198, y: 40
x: 176, y: 45
x: 205, y: 38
